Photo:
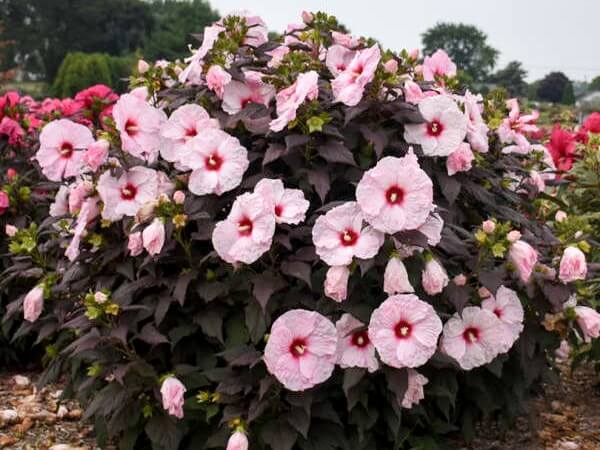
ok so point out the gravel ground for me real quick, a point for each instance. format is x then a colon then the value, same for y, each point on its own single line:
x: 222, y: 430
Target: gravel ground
x: 567, y: 417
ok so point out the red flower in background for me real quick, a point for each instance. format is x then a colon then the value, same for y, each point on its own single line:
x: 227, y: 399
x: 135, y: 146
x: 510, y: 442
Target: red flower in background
x: 582, y: 135
x: 562, y: 147
x: 97, y: 93
x: 592, y: 123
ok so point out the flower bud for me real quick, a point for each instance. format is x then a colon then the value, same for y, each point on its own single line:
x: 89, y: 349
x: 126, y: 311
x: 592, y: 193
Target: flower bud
x: 488, y: 226
x: 560, y: 216
x: 179, y: 197
x: 142, y: 66
x: 10, y: 230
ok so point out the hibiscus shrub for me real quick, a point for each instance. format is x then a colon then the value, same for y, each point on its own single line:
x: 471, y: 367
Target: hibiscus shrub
x: 314, y: 243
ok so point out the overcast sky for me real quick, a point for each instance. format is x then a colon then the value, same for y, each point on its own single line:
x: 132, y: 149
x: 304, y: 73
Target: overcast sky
x: 545, y: 35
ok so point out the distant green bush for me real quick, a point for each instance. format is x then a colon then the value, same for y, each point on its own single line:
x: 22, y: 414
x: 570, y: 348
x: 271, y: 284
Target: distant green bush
x: 82, y: 70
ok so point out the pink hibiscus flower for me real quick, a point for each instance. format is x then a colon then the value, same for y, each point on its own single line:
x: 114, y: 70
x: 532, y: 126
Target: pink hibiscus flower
x: 338, y: 59
x: 405, y: 330
x: 185, y: 123
x: 247, y: 232
x: 434, y: 277
x: 139, y: 125
x: 414, y: 391
x: 217, y: 160
x: 524, y: 257
x: 460, y: 160
x: 216, y: 79
x: 336, y: 283
x: 302, y: 349
x: 444, y: 129
x: 125, y: 195
x: 192, y: 74
x: 277, y: 55
x: 289, y: 205
x: 395, y: 278
x: 414, y: 94
x: 573, y: 265
x: 61, y: 149
x: 477, y: 130
x: 97, y: 96
x: 507, y: 307
x: 237, y: 95
x: 289, y: 99
x: 432, y: 229
x: 354, y: 348
x: 339, y: 236
x: 89, y: 211
x: 474, y: 338
x: 348, y: 87
x: 12, y: 130
x: 438, y: 65
x: 396, y: 194
x: 515, y: 127
x: 172, y: 392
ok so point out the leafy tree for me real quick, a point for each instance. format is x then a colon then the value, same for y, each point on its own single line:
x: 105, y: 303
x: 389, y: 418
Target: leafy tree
x: 466, y: 45
x: 175, y: 21
x: 44, y: 31
x: 512, y: 78
x: 594, y: 84
x: 556, y: 88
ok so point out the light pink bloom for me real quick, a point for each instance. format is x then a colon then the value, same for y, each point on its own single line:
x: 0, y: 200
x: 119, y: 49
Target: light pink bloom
x: 139, y: 126
x: 432, y: 229
x: 237, y: 94
x: 217, y: 160
x: 414, y: 53
x: 391, y: 66
x: 434, y: 277
x: 460, y: 160
x: 10, y: 230
x: 89, y: 211
x: 444, y: 129
x: 277, y: 55
x: 474, y: 338
x: 524, y: 257
x: 414, y: 391
x: 405, y: 331
x: 302, y: 349
x: 354, y: 348
x: 346, y: 40
x: 33, y: 304
x: 289, y: 99
x: 172, y: 392
x: 192, y: 74
x: 484, y: 292
x: 247, y: 232
x: 395, y: 278
x: 588, y: 320
x: 179, y: 197
x: 514, y: 128
x: 60, y: 206
x: 100, y: 297
x: 257, y: 33
x: 185, y: 123
x: 507, y: 307
x: 13, y: 130
x: 142, y: 66
x: 513, y: 236
x: 349, y: 85
x: 61, y: 149
x: 477, y: 130
x: 488, y: 226
x: 307, y: 17
x: 560, y: 216
x: 289, y: 205
x: 237, y: 441
x: 336, y: 283
x: 216, y: 79
x: 125, y: 195
x: 562, y: 353
x: 414, y: 94
x: 339, y: 236
x: 77, y: 194
x: 96, y: 154
x: 573, y: 265
x: 338, y: 59
x: 153, y: 237
x: 291, y: 33
x: 396, y: 194
x: 135, y: 244
x: 438, y: 65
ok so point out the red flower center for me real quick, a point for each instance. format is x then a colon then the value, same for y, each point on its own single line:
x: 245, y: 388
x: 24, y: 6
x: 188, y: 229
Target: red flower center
x: 498, y: 312
x: 403, y: 329
x: 66, y: 150
x: 191, y: 132
x: 214, y: 161
x: 278, y: 210
x: 245, y: 227
x: 348, y: 237
x: 434, y: 128
x: 360, y: 339
x: 394, y: 195
x: 128, y: 191
x: 131, y: 127
x: 341, y: 67
x: 298, y: 348
x: 245, y: 101
x: 471, y: 335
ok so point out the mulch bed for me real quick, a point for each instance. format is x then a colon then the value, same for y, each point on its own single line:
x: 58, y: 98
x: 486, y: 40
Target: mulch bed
x: 567, y: 417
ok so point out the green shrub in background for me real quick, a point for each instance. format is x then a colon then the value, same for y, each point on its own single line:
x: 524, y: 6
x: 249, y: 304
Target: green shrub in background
x: 81, y: 70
